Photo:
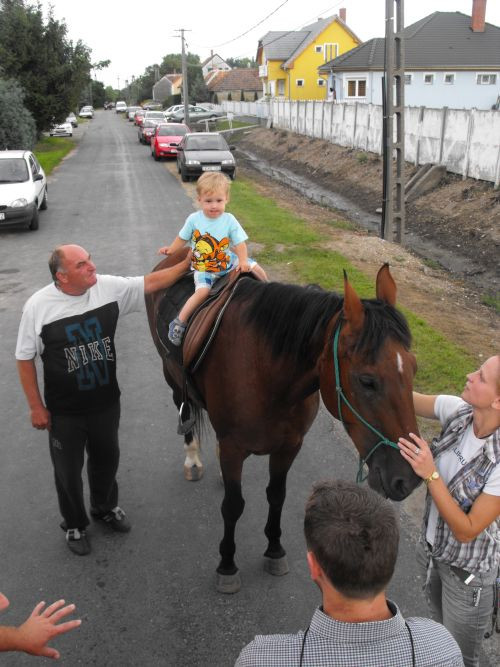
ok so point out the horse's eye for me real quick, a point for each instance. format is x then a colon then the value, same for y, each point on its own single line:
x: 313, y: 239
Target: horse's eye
x: 368, y: 382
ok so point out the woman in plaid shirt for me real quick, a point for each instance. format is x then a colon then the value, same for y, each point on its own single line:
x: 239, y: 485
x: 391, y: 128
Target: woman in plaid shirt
x: 459, y: 550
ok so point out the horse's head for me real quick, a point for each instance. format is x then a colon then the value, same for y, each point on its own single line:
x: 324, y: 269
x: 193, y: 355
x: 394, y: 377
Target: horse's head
x: 366, y: 380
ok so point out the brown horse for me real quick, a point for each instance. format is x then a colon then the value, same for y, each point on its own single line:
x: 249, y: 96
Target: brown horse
x: 277, y: 349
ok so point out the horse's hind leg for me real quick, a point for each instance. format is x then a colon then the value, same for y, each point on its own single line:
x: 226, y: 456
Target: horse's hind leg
x: 275, y: 556
x: 193, y: 467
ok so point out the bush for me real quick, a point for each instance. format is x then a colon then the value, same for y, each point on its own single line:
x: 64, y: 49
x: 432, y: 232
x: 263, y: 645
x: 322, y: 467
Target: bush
x: 17, y: 126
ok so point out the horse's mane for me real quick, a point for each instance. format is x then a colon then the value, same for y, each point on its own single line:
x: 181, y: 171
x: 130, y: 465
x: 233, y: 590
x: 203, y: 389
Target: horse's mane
x: 293, y: 319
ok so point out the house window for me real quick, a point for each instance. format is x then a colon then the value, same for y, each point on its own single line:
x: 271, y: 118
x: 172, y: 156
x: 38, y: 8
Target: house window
x: 299, y: 83
x: 449, y: 79
x: 429, y: 79
x: 281, y: 86
x: 331, y: 51
x: 408, y: 79
x: 356, y: 88
x: 321, y: 82
x: 318, y: 48
x: 486, y: 79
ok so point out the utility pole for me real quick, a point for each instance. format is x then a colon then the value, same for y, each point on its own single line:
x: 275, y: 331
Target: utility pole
x: 393, y: 212
x: 185, y: 94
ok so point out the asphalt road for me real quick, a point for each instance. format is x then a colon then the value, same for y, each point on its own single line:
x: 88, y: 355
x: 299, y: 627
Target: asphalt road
x: 147, y: 598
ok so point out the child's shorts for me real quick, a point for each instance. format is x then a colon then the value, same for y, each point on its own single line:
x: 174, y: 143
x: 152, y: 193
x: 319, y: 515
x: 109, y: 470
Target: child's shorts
x: 205, y: 279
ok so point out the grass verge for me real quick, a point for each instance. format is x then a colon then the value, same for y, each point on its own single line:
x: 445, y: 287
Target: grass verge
x: 287, y: 240
x: 51, y: 150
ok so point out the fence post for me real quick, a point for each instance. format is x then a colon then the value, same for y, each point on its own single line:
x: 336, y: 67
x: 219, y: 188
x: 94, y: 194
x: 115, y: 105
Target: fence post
x: 331, y: 123
x: 468, y: 143
x: 354, y: 124
x: 420, y: 122
x: 368, y: 126
x: 313, y: 120
x: 497, y: 170
x: 322, y: 117
x: 444, y: 113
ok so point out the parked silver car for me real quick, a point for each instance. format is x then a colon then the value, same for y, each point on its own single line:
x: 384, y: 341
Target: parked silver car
x: 196, y: 112
x: 23, y: 189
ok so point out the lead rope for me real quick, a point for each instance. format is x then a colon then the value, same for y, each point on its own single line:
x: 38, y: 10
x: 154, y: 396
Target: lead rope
x: 342, y: 397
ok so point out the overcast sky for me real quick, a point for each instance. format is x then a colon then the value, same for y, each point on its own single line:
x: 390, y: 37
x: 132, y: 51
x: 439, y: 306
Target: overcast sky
x: 134, y: 35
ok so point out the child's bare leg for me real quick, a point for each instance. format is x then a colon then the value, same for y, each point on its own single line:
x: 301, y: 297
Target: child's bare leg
x: 192, y: 303
x: 259, y: 272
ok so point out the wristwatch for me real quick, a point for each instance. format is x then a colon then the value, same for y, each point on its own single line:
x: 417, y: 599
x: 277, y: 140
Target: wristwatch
x: 432, y: 477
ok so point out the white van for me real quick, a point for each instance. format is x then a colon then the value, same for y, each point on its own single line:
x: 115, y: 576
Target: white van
x: 121, y: 107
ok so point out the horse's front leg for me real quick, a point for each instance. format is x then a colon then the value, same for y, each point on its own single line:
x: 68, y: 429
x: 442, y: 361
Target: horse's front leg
x: 228, y: 578
x: 193, y: 467
x: 275, y: 561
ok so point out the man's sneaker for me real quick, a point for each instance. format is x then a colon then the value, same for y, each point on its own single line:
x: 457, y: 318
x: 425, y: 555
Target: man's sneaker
x: 77, y: 541
x: 116, y: 519
x: 176, y: 330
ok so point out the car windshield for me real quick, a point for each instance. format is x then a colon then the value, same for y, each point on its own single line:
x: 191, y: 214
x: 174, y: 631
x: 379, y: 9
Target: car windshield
x: 215, y: 143
x: 149, y: 123
x: 155, y: 114
x: 168, y: 131
x: 13, y: 170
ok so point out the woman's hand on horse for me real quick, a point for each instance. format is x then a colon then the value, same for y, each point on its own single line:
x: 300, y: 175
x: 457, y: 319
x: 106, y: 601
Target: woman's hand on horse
x: 416, y: 451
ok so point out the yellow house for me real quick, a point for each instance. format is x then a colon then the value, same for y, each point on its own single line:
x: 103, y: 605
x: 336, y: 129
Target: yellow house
x: 289, y: 60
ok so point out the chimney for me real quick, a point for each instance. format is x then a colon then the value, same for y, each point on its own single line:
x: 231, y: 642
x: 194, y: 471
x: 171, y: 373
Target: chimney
x: 342, y: 13
x: 478, y: 14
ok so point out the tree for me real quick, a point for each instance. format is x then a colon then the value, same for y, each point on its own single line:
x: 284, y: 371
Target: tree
x: 17, y: 127
x: 51, y: 71
x: 241, y: 62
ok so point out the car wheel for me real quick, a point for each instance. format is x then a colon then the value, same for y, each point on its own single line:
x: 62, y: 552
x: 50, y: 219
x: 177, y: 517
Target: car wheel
x: 213, y: 117
x: 44, y: 204
x: 233, y: 175
x: 34, y: 221
x: 184, y: 176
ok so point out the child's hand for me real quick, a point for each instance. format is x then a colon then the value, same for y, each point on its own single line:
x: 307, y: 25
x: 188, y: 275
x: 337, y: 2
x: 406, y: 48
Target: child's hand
x: 244, y: 267
x: 163, y: 250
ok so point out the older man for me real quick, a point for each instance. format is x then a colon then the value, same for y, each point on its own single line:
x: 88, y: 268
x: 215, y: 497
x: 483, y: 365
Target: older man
x: 71, y: 324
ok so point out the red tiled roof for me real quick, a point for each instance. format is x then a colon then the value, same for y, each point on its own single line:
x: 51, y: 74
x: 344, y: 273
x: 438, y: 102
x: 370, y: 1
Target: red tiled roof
x: 236, y: 79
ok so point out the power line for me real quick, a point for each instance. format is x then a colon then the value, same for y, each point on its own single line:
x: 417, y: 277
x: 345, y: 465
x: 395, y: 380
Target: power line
x: 215, y: 46
x: 288, y: 32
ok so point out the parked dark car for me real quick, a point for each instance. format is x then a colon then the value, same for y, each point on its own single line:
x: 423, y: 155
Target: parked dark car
x: 146, y: 131
x: 204, y: 151
x: 166, y: 139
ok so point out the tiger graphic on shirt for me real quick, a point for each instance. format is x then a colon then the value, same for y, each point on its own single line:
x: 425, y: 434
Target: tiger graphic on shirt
x: 209, y: 254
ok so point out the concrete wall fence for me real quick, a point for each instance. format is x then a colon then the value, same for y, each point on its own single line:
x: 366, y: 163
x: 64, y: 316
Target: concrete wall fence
x: 466, y: 141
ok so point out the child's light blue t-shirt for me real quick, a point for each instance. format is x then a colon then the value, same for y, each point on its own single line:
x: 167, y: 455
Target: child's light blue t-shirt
x: 211, y: 240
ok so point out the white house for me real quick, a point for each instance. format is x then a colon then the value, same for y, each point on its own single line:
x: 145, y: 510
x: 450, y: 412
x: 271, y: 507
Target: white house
x: 451, y: 60
x: 214, y: 62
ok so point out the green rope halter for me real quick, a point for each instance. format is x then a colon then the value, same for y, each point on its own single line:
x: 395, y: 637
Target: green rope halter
x: 342, y: 397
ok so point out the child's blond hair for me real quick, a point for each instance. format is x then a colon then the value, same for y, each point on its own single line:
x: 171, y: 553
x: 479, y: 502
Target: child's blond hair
x: 213, y: 181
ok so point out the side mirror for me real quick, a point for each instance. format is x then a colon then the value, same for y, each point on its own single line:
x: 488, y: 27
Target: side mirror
x: 38, y: 177
x: 232, y: 148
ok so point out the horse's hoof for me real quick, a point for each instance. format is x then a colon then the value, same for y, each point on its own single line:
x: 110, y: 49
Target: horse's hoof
x: 228, y: 583
x: 193, y: 473
x: 276, y: 566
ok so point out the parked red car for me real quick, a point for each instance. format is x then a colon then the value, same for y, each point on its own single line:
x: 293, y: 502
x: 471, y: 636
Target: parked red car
x: 166, y: 138
x: 146, y: 131
x: 139, y: 116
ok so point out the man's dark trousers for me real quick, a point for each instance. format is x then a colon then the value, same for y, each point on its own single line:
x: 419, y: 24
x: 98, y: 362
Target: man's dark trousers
x: 69, y: 437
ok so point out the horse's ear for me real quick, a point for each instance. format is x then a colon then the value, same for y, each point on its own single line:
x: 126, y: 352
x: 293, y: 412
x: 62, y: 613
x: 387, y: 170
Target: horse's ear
x: 386, y: 287
x: 353, y: 308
